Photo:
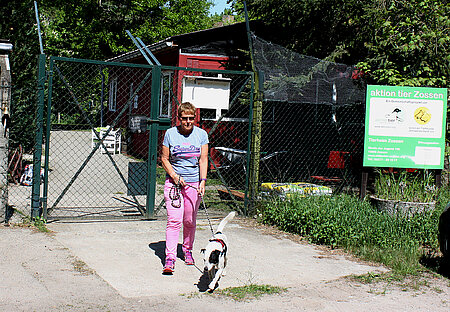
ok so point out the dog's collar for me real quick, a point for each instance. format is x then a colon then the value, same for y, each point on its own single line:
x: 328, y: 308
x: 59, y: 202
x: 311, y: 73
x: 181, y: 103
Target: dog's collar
x: 224, y: 246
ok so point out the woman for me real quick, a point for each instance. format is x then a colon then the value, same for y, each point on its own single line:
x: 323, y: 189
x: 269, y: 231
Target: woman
x: 185, y: 159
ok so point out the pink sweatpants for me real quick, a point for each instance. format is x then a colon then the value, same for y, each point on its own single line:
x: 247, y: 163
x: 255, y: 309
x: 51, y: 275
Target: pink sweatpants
x: 186, y: 215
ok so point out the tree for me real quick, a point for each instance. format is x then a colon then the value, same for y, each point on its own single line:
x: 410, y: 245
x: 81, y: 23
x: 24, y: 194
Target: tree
x: 18, y: 25
x: 313, y: 27
x: 93, y: 29
x: 96, y: 29
x: 410, y: 44
x: 402, y: 42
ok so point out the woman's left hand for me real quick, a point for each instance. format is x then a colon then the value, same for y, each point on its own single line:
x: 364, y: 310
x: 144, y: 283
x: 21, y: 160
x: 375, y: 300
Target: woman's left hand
x: 201, y: 187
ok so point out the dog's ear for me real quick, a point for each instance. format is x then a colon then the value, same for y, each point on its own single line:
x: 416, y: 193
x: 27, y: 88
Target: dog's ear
x: 203, y: 250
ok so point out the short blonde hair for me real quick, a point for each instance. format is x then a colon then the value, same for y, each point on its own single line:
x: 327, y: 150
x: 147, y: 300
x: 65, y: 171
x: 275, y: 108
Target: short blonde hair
x: 187, y: 108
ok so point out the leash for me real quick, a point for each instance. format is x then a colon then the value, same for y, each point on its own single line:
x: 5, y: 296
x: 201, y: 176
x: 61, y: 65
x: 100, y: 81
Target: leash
x: 175, y: 197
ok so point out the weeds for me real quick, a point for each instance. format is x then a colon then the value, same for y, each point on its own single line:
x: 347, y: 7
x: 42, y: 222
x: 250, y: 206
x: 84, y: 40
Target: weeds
x: 40, y: 224
x: 250, y: 291
x: 405, y: 186
x: 416, y: 283
x: 346, y: 222
x: 81, y: 267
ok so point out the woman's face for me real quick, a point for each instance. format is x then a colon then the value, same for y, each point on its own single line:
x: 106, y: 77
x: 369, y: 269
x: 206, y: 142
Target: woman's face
x: 187, y: 122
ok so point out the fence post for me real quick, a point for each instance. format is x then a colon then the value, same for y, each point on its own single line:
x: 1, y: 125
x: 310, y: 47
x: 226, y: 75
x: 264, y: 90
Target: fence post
x: 5, y: 106
x: 153, y: 142
x: 255, y: 149
x: 36, y: 186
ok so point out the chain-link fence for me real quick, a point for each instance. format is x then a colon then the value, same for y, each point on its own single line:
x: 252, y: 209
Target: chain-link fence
x: 5, y: 102
x: 105, y: 123
x: 104, y: 127
x: 312, y: 125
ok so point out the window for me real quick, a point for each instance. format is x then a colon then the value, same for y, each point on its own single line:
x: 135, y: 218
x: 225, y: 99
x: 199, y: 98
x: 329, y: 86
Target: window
x: 112, y: 101
x: 166, y: 95
x: 134, y: 104
x: 207, y: 114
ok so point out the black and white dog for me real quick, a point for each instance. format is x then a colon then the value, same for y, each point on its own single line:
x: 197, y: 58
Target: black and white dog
x: 215, y: 253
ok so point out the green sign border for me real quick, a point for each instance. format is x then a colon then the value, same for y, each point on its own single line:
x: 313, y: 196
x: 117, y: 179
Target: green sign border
x: 400, y: 151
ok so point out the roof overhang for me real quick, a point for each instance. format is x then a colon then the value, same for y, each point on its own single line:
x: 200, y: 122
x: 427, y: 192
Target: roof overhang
x: 5, y: 46
x: 223, y: 36
x: 162, y: 45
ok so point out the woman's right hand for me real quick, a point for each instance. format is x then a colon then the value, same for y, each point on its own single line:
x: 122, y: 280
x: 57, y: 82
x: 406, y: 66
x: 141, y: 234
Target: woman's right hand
x: 179, y: 181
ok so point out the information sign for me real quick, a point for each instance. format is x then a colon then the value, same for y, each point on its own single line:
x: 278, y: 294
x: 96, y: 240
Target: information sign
x: 405, y: 127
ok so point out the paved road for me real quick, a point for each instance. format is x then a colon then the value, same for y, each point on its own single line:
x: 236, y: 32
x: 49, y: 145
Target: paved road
x: 116, y: 266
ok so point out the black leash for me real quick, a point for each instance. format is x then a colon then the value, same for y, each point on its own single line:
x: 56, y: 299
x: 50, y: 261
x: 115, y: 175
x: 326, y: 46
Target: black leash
x: 175, y: 195
x: 206, y: 211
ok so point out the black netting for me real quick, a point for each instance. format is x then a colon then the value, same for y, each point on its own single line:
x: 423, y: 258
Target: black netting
x: 313, y: 118
x: 293, y: 77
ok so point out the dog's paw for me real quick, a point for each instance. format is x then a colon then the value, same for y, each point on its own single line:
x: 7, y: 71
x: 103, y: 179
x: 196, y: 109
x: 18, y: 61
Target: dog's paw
x: 212, y: 286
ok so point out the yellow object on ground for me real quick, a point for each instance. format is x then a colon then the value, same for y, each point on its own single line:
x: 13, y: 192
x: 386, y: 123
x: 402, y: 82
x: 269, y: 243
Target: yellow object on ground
x: 300, y: 188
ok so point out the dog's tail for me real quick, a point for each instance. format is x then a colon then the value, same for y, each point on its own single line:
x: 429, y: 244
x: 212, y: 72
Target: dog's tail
x: 225, y: 221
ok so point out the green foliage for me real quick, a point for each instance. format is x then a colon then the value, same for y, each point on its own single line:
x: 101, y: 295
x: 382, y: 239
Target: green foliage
x: 86, y: 29
x: 96, y: 29
x: 410, y: 46
x: 18, y: 25
x: 40, y: 224
x: 251, y: 291
x: 401, y: 42
x: 406, y: 186
x: 346, y: 222
x: 311, y: 27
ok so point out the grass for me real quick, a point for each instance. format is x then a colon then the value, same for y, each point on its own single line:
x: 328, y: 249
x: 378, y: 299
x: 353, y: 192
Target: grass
x: 250, y: 291
x: 405, y: 186
x: 380, y: 282
x: 343, y: 221
x: 247, y: 292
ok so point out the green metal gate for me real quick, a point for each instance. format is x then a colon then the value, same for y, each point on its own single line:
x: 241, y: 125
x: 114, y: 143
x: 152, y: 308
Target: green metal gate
x: 99, y: 137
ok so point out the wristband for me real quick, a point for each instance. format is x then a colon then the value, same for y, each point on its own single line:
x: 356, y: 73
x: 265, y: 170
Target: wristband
x: 203, y: 180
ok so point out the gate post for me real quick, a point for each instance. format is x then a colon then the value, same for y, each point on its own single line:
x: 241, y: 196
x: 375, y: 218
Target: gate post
x: 153, y: 142
x: 36, y: 185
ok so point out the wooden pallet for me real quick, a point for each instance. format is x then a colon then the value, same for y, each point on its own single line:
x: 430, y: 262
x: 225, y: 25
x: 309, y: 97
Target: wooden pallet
x: 225, y: 194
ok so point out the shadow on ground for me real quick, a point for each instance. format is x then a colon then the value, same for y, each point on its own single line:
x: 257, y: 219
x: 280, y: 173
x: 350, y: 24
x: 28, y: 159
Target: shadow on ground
x: 160, y: 250
x: 437, y: 264
x: 203, y: 282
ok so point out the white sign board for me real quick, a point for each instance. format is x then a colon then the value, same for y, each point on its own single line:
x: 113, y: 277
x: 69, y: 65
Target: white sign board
x: 207, y: 92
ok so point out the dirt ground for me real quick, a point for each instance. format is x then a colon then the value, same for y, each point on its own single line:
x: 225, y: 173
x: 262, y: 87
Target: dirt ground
x: 96, y: 267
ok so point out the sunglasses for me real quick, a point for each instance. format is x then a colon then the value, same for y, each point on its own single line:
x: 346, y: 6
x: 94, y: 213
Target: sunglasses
x: 187, y: 118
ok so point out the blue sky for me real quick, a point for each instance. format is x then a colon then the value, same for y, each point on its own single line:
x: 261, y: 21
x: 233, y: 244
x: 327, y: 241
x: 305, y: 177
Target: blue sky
x: 219, y: 6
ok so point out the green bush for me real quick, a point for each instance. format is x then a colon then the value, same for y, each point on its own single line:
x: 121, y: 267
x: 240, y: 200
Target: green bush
x: 345, y: 221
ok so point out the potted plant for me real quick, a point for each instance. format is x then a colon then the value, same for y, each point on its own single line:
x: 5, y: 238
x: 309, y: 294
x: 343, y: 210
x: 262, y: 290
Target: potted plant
x: 404, y: 192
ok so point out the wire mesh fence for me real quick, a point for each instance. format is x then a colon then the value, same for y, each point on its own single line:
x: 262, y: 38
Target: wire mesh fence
x: 98, y: 159
x: 312, y: 126
x: 225, y: 117
x: 86, y: 159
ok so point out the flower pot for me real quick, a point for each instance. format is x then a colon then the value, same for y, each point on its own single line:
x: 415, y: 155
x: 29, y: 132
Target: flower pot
x: 398, y: 207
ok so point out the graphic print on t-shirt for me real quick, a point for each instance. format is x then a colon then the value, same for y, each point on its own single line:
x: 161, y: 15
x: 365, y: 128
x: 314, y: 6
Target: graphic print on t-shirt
x: 186, y: 151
